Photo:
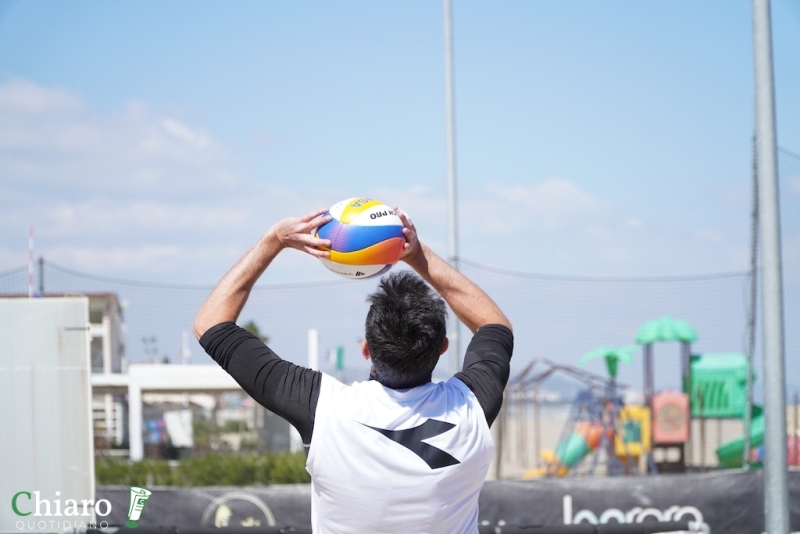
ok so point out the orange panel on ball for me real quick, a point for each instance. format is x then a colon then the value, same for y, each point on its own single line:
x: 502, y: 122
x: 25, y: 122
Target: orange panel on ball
x: 385, y: 252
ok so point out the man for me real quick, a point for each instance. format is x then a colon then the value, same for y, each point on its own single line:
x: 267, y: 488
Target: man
x: 396, y: 453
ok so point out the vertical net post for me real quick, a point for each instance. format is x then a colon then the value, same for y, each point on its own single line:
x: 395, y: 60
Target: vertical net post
x: 454, y: 352
x: 751, y: 314
x: 776, y: 489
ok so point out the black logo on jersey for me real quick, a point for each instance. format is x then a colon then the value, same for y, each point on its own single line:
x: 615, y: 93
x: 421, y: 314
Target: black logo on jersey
x: 411, y: 439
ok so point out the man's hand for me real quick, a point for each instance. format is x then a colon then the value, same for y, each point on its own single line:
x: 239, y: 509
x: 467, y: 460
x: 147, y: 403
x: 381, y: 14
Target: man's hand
x: 297, y: 232
x: 412, y: 248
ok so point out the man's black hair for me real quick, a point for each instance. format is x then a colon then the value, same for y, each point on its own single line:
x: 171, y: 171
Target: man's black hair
x: 405, y: 330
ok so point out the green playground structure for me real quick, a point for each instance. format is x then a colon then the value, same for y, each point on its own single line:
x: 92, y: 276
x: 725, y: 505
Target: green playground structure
x: 719, y: 389
x: 714, y: 386
x: 718, y: 385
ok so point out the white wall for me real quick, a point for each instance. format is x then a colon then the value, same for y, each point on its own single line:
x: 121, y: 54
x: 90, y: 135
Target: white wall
x: 45, y: 407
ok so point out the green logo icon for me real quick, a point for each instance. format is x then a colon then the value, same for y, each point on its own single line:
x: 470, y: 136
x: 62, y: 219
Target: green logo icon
x: 139, y: 497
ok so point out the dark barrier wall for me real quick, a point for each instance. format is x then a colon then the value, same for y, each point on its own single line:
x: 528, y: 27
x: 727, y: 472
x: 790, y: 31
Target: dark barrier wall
x: 281, y: 505
x: 729, y: 502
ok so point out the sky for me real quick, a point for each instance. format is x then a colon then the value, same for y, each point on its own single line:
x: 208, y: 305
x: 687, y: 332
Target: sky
x: 157, y: 141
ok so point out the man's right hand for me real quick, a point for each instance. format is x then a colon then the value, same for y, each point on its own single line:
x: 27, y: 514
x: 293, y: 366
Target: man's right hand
x: 296, y: 232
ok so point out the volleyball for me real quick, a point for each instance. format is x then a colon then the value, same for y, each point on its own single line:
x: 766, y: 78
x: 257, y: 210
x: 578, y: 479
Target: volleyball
x: 366, y: 238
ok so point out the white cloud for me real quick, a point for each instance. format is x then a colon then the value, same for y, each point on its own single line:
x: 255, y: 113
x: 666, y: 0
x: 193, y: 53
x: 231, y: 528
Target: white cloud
x: 114, y: 217
x: 22, y: 97
x: 183, y: 133
x: 148, y: 259
x: 554, y: 203
x: 128, y: 194
x: 171, y: 240
x: 555, y: 226
x: 52, y: 140
x: 141, y: 195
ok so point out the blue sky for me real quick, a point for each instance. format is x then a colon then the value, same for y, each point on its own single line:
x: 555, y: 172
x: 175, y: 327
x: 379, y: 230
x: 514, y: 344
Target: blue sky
x: 158, y: 140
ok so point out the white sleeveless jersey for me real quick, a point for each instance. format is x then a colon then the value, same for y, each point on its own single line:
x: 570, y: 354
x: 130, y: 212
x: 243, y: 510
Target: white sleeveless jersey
x: 407, y: 461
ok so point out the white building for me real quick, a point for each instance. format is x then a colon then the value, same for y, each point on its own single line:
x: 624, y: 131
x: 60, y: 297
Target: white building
x: 107, y: 351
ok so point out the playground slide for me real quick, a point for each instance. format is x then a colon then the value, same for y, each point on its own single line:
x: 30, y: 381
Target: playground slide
x: 583, y: 440
x: 730, y: 454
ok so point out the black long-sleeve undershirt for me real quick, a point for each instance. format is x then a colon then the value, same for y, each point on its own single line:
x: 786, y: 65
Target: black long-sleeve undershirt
x: 292, y: 391
x: 487, y: 364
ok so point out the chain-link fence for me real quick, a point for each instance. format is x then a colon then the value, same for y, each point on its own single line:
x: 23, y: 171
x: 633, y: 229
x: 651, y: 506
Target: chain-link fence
x: 789, y: 169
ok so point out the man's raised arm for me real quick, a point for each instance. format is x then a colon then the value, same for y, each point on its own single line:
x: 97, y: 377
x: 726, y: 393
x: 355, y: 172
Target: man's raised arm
x: 225, y: 303
x: 488, y: 357
x: 469, y: 302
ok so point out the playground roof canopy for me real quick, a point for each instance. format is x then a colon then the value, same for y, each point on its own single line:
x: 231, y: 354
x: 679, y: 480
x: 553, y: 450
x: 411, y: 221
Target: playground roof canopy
x: 612, y: 356
x: 665, y: 328
x: 619, y: 353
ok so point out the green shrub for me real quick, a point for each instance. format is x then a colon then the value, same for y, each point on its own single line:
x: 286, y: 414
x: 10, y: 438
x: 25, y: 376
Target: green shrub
x: 288, y: 469
x: 143, y: 473
x: 207, y: 470
x: 216, y: 470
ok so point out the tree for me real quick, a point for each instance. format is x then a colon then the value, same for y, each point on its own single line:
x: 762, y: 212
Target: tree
x: 252, y: 327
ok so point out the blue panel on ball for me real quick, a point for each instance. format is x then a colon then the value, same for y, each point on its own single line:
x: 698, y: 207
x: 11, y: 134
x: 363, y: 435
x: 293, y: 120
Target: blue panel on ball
x: 349, y: 238
x: 329, y: 230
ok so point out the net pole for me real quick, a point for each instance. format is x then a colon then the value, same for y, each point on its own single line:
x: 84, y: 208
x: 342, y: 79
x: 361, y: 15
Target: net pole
x: 454, y: 351
x: 41, y: 276
x: 776, y: 492
x: 751, y: 319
